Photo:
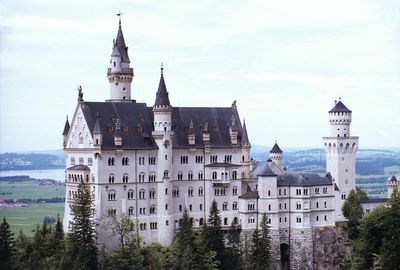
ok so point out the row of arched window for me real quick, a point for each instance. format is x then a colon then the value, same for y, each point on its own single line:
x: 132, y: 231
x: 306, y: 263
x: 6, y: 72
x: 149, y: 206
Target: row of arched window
x: 111, y: 161
x: 224, y: 175
x: 73, y: 177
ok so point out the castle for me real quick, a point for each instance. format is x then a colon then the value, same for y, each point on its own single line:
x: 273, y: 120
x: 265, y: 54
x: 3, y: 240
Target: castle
x: 153, y: 162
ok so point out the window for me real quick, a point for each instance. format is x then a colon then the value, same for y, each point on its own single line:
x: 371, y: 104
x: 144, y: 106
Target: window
x: 152, y: 194
x: 184, y: 159
x: 325, y: 204
x: 80, y: 161
x: 153, y: 225
x: 130, y: 211
x: 234, y: 206
x: 298, y: 219
x: 111, y: 161
x: 251, y: 220
x: 200, y: 175
x: 166, y: 207
x: 228, y: 158
x: 142, y: 226
x: 317, y: 218
x: 316, y: 190
x: 175, y: 192
x: 225, y: 206
x: 125, y: 161
x: 285, y: 205
x: 111, y: 179
x: 153, y: 209
x: 125, y: 178
x: 298, y: 191
x: 152, y: 160
x: 305, y: 191
x: 142, y: 194
x: 141, y: 177
x: 280, y: 206
x: 325, y: 218
x: 80, y: 138
x: 234, y: 175
x: 269, y: 193
x: 111, y: 212
x: 111, y: 195
x: 130, y: 194
x: 190, y: 207
x: 280, y: 192
x: 201, y: 191
x: 284, y: 191
x: 214, y: 175
x: 317, y: 205
x: 180, y: 176
x: 90, y: 162
x: 298, y: 206
x: 344, y: 196
x: 166, y: 191
x: 201, y: 207
x: 199, y: 159
x: 213, y: 158
x: 325, y: 190
x: 152, y: 177
x: 234, y: 191
x: 166, y: 174
x: 180, y: 208
x: 190, y: 176
x: 142, y: 210
x: 141, y: 160
x: 225, y: 221
x: 269, y: 207
x: 72, y: 161
x: 190, y: 192
x: 251, y: 206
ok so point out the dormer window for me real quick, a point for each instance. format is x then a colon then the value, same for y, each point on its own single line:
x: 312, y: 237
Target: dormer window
x: 114, y: 64
x: 110, y: 128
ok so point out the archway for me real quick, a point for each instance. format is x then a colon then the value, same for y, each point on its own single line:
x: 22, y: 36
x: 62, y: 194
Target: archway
x: 285, y: 256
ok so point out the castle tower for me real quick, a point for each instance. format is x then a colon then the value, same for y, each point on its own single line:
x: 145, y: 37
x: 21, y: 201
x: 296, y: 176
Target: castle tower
x: 391, y: 184
x: 245, y: 161
x: 65, y: 132
x: 162, y: 134
x: 120, y: 74
x: 340, y: 148
x: 276, y: 155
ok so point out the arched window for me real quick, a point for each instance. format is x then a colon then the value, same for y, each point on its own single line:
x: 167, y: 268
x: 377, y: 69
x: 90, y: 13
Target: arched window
x: 251, y: 206
x: 234, y: 190
x: 234, y: 175
x: 125, y: 178
x: 153, y: 209
x: 141, y: 177
x: 190, y: 176
x: 152, y: 193
x: 214, y: 175
x: 111, y: 179
x: 142, y: 194
x: 111, y: 195
x: 130, y: 211
x: 175, y: 192
x: 243, y: 158
x: 222, y: 176
x: 225, y: 206
x: 235, y: 221
x: 166, y: 174
x: 201, y: 221
x: 190, y: 192
x: 180, y: 176
x: 234, y: 206
x: 201, y: 191
x: 130, y: 194
x: 225, y: 221
x: 80, y: 138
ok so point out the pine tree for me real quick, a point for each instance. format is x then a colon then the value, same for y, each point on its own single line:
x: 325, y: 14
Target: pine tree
x: 261, y: 246
x: 234, y: 249
x: 390, y: 251
x: 59, y: 232
x: 212, y: 235
x: 7, y: 248
x: 352, y: 210
x: 83, y: 250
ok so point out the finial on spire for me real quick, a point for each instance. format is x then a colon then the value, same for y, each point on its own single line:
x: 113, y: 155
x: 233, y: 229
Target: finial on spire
x: 67, y: 116
x: 162, y: 68
x: 340, y: 98
x: 119, y: 14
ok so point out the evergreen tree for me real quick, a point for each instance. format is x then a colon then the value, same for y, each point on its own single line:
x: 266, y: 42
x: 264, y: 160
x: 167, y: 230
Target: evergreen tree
x: 212, y: 235
x: 260, y: 257
x: 234, y: 249
x: 390, y: 251
x: 82, y: 251
x: 59, y: 232
x: 352, y: 210
x: 7, y: 248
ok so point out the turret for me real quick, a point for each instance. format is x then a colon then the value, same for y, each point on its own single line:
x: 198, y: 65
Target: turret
x: 118, y: 133
x: 391, y: 184
x: 119, y: 73
x: 65, y: 132
x: 340, y: 119
x: 97, y: 136
x: 233, y: 131
x: 276, y: 154
x: 191, y: 136
x: 162, y: 108
x: 245, y: 161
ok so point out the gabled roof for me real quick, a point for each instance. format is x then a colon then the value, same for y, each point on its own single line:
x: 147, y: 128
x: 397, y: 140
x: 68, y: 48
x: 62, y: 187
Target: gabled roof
x: 276, y: 149
x: 122, y: 49
x: 66, y: 128
x: 132, y: 114
x: 245, y: 138
x: 302, y: 180
x: 339, y: 107
x: 162, y: 94
x: 250, y: 195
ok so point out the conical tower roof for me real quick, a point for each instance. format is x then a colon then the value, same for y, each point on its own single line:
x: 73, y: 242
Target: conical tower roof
x: 120, y: 46
x: 162, y: 94
x: 96, y: 129
x: 339, y: 107
x: 276, y: 149
x: 245, y: 138
x: 66, y: 127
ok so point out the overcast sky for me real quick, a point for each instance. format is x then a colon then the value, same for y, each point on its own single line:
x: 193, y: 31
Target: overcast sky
x: 285, y: 62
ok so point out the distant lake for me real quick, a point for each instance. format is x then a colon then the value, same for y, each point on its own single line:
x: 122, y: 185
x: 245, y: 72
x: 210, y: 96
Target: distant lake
x: 57, y: 174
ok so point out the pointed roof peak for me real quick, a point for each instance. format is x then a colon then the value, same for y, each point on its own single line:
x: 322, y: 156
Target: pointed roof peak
x: 276, y: 148
x: 96, y: 129
x: 162, y: 98
x: 119, y: 47
x: 339, y: 107
x: 393, y: 178
x: 66, y: 127
x: 245, y: 138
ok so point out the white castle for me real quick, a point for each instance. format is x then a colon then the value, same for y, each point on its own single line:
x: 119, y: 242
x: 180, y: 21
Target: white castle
x: 153, y: 162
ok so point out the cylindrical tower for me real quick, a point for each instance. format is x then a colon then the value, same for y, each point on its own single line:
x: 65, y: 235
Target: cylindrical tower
x: 391, y: 184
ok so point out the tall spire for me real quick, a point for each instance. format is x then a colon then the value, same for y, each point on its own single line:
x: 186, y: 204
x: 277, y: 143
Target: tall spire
x: 162, y: 94
x: 66, y: 127
x: 96, y: 129
x: 120, y: 43
x: 245, y: 138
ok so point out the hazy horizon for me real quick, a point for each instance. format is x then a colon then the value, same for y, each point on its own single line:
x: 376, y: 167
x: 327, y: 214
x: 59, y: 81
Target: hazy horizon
x: 284, y: 62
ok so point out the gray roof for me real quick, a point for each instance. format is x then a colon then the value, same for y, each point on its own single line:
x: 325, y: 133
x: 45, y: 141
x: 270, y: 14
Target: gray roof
x: 79, y: 168
x: 262, y: 168
x: 276, y: 149
x: 66, y: 128
x: 132, y: 115
x: 250, y: 195
x: 162, y: 94
x: 302, y: 180
x: 221, y: 164
x: 245, y: 138
x: 122, y: 48
x: 96, y: 129
x: 374, y: 200
x: 339, y: 107
x: 393, y: 178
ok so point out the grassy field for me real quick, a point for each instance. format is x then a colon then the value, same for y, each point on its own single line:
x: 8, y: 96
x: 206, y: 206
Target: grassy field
x: 26, y: 218
x: 29, y: 189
